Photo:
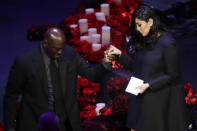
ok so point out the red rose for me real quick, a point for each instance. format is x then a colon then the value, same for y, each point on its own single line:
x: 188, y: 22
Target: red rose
x: 117, y: 87
x: 88, y: 91
x: 71, y: 20
x: 191, y: 93
x: 81, y: 101
x: 187, y: 100
x: 75, y: 31
x: 84, y: 82
x: 96, y: 89
x: 90, y: 107
x: 105, y: 111
x: 86, y: 115
x: 88, y: 112
x: 187, y: 86
x: 91, y: 17
x: 194, y: 101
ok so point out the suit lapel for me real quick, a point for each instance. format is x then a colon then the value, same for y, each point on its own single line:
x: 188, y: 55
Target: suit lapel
x: 39, y: 66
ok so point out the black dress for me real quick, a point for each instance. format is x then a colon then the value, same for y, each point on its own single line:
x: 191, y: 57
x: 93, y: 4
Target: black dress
x: 162, y: 106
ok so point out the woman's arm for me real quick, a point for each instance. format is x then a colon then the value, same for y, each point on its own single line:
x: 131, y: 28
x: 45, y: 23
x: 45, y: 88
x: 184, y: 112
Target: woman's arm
x: 172, y: 68
x: 122, y: 58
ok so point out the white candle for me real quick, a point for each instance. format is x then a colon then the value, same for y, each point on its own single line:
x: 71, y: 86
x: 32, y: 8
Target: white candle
x: 96, y: 38
x: 89, y: 11
x: 86, y: 38
x: 100, y: 16
x: 118, y: 1
x: 105, y: 9
x: 106, y: 34
x: 83, y: 25
x: 73, y: 26
x: 91, y: 31
x: 96, y: 47
x: 99, y: 106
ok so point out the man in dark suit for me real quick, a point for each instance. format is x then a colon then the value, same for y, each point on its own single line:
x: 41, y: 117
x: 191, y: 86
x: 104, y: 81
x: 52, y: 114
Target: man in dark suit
x: 46, y: 77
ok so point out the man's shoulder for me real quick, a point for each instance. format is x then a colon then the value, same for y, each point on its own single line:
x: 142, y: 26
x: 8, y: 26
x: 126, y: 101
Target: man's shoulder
x: 69, y: 51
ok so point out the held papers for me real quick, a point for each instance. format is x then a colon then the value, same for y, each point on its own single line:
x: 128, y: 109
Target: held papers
x: 133, y: 83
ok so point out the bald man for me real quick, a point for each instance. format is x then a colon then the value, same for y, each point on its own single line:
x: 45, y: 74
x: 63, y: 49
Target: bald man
x: 46, y: 76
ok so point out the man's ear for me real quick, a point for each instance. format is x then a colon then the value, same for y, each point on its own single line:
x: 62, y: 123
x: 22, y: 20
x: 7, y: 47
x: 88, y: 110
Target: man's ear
x: 150, y: 21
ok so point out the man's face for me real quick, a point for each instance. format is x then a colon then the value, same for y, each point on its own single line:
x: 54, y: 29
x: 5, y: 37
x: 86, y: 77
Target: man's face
x: 54, y: 48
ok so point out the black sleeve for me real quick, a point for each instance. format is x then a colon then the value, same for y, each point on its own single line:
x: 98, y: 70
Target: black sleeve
x: 94, y: 73
x: 126, y: 61
x: 172, y: 67
x: 14, y: 87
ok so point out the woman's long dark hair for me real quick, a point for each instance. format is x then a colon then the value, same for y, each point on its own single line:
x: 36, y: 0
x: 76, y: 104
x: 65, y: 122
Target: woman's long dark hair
x: 139, y: 42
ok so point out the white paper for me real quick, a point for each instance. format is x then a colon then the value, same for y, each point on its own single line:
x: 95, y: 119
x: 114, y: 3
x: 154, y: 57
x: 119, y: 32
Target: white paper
x: 133, y: 83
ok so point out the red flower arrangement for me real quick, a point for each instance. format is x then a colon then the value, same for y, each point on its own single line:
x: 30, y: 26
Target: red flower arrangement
x: 119, y: 21
x: 88, y: 112
x: 117, y: 85
x: 190, y: 96
x: 87, y: 92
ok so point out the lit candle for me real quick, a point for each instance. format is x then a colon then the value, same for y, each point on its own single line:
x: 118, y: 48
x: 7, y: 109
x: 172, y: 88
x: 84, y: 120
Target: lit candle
x: 91, y: 31
x: 118, y: 1
x: 89, y: 11
x: 83, y: 25
x: 100, y: 16
x: 106, y: 35
x: 96, y: 47
x: 99, y: 106
x: 73, y: 26
x: 96, y: 38
x: 86, y: 38
x: 105, y: 9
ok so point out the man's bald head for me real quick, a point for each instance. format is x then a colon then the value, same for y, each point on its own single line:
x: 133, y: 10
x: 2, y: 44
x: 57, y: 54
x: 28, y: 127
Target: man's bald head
x: 55, y: 35
x: 54, y: 42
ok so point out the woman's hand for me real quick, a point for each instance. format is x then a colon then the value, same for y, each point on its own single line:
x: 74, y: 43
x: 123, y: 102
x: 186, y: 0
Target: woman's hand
x: 143, y: 87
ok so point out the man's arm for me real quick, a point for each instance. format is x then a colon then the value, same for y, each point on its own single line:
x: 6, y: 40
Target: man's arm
x: 14, y: 87
x: 92, y: 73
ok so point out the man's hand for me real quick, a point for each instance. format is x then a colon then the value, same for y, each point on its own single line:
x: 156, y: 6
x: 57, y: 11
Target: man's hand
x: 108, y: 58
x: 111, y: 54
x: 114, y: 51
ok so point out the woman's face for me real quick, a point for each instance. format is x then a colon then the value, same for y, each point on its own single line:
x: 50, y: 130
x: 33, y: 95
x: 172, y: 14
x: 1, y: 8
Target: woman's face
x: 143, y: 27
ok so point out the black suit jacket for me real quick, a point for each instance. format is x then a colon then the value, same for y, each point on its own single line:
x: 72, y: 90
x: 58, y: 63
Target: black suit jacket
x: 28, y: 77
x: 162, y: 106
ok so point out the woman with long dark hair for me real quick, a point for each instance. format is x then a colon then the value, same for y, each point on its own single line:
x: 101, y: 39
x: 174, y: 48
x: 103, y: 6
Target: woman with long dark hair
x: 160, y: 105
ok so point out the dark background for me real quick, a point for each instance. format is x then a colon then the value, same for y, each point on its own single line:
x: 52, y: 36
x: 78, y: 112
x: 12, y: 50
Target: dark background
x: 16, y: 16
